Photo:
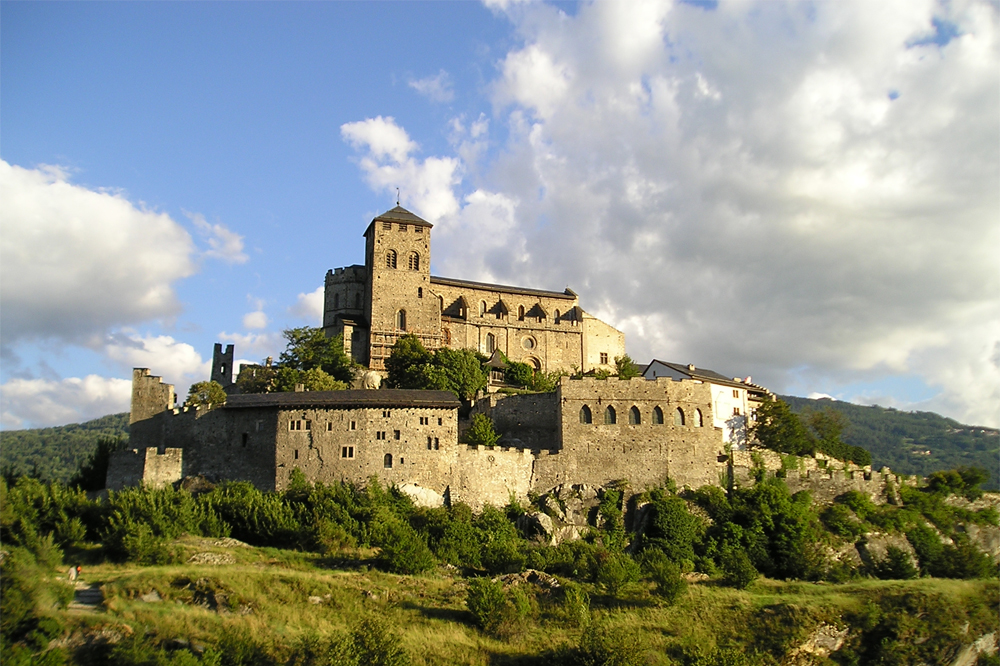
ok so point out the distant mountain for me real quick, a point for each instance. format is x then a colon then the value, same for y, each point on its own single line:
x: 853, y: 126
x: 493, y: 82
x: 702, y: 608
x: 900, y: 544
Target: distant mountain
x: 56, y: 453
x: 913, y: 442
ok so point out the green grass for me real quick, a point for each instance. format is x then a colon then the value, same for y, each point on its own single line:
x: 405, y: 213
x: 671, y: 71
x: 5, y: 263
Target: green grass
x: 268, y: 592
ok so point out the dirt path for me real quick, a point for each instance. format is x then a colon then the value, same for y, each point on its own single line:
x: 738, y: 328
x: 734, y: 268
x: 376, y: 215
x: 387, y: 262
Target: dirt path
x: 87, y: 597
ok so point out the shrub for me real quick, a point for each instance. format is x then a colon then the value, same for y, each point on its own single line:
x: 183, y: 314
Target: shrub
x: 498, y: 612
x: 737, y: 570
x: 481, y: 431
x: 615, y: 571
x: 376, y: 645
x: 666, y: 576
x: 403, y: 550
x: 504, y: 556
x: 576, y: 605
x: 838, y: 519
x: 895, y: 565
x: 606, y: 645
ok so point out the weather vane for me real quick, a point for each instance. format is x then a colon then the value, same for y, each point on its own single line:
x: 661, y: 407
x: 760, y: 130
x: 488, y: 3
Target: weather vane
x: 397, y: 196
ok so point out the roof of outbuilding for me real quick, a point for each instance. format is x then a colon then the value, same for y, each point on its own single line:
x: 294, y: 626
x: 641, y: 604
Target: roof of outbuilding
x: 347, y: 398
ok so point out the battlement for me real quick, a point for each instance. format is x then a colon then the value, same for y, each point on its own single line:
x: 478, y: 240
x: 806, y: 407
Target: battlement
x: 150, y: 396
x: 346, y: 274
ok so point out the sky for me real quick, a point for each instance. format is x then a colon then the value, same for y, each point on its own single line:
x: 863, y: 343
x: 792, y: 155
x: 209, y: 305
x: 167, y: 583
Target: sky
x: 807, y: 193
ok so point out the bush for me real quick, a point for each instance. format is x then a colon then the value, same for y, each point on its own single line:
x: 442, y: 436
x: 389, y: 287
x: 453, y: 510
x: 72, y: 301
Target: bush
x: 615, y: 571
x: 403, y: 550
x: 666, y: 576
x: 481, y: 431
x: 737, y: 570
x: 895, y: 565
x: 576, y: 605
x: 376, y: 645
x: 498, y: 612
x: 838, y: 519
x: 605, y: 645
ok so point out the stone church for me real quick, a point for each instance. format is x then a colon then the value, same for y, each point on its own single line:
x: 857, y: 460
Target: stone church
x: 394, y: 294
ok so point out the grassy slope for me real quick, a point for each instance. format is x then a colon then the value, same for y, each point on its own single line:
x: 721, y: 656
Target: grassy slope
x: 57, y: 452
x: 900, y: 440
x: 429, y: 611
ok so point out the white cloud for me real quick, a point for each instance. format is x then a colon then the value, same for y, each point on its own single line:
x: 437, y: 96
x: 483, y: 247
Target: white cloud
x: 75, y: 263
x: 437, y: 88
x: 40, y: 403
x: 310, y: 306
x: 225, y: 244
x: 177, y: 362
x: 783, y: 190
x: 426, y: 186
x: 260, y: 345
x: 256, y: 319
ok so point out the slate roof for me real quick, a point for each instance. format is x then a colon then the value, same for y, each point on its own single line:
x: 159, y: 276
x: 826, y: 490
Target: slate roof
x: 506, y: 289
x: 347, y: 398
x: 402, y: 216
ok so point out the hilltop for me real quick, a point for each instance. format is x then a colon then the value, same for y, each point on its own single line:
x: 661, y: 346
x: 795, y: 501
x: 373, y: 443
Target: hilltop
x: 56, y: 453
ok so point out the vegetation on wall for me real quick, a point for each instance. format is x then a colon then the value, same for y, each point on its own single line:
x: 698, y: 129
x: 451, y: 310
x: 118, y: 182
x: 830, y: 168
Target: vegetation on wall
x: 411, y: 366
x: 310, y: 358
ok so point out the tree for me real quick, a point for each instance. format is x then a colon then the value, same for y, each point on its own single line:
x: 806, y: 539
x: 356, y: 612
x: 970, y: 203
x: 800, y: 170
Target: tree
x: 408, y: 364
x: 463, y: 371
x: 778, y: 429
x: 93, y: 472
x: 481, y: 432
x: 626, y: 367
x: 205, y: 393
x: 519, y: 374
x: 309, y: 348
x: 314, y: 379
x: 256, y: 378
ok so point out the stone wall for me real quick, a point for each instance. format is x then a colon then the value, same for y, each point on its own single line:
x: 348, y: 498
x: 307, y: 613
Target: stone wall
x: 150, y: 396
x: 149, y: 466
x: 529, y: 421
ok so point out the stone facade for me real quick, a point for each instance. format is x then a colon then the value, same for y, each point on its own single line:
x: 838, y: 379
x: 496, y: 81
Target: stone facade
x: 394, y: 294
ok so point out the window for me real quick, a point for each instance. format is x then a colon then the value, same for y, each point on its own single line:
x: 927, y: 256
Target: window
x: 380, y: 434
x: 387, y: 226
x: 634, y: 417
x: 604, y: 358
x: 402, y: 227
x: 491, y: 343
x: 354, y: 425
x: 298, y: 425
x: 678, y: 417
x: 585, y: 416
x: 430, y: 443
x: 418, y: 229
x: 482, y: 308
x: 309, y: 425
x: 395, y: 434
x: 390, y: 259
x: 401, y: 320
x: 528, y: 343
x: 437, y: 444
x: 386, y: 413
x: 413, y: 263
x: 440, y: 421
x: 246, y: 439
x: 329, y: 427
x: 387, y: 461
x: 425, y: 420
x: 520, y: 313
x: 610, y: 416
x: 698, y: 420
x: 657, y: 415
x: 736, y: 411
x: 420, y: 292
x: 347, y: 452
x: 296, y: 454
x: 557, y: 317
x: 736, y: 393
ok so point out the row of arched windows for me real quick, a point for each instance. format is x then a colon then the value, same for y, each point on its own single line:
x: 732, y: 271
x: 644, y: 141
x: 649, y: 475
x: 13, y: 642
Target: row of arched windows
x: 412, y: 261
x: 635, y: 416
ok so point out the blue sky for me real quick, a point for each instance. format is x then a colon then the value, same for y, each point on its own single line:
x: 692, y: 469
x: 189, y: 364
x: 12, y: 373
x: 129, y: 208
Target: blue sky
x: 802, y: 192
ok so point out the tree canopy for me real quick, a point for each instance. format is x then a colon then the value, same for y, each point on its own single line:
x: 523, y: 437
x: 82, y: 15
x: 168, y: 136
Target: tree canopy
x: 779, y: 429
x: 205, y: 393
x: 625, y: 367
x: 410, y: 365
x: 310, y: 358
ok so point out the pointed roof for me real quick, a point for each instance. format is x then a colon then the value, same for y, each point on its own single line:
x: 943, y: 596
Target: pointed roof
x: 402, y: 216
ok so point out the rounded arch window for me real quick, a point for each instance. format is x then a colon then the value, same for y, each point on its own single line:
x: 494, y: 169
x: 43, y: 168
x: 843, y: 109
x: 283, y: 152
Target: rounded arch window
x: 534, y: 363
x: 528, y: 343
x: 557, y: 317
x: 390, y: 259
x: 634, y: 417
x: 610, y: 416
x: 482, y: 308
x: 678, y: 417
x: 657, y: 415
x: 585, y: 415
x: 401, y: 320
x: 491, y: 343
x: 698, y: 420
x: 387, y: 461
x: 413, y: 263
x: 520, y: 313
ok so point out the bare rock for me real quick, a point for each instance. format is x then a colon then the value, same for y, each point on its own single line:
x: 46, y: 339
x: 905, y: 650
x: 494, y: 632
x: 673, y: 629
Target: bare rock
x: 822, y: 642
x: 537, y: 526
x: 151, y: 597
x: 212, y: 558
x: 421, y: 496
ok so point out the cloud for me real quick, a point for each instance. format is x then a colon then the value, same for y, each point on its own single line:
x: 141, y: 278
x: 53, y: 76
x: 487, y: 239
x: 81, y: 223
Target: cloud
x: 436, y: 88
x: 256, y: 319
x: 255, y: 344
x: 801, y: 192
x: 177, y: 362
x: 40, y: 403
x: 225, y: 244
x: 310, y: 306
x: 426, y: 185
x: 75, y: 262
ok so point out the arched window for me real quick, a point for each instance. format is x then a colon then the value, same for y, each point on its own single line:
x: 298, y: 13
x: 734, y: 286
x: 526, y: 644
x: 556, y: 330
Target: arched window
x: 534, y: 363
x: 441, y: 302
x: 557, y: 317
x: 634, y: 418
x: 520, y: 313
x: 585, y: 415
x: 610, y: 417
x: 491, y: 343
x: 390, y: 259
x: 657, y: 415
x: 697, y: 418
x: 414, y: 262
x: 482, y: 308
x: 387, y: 461
x: 679, y: 417
x: 401, y: 320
